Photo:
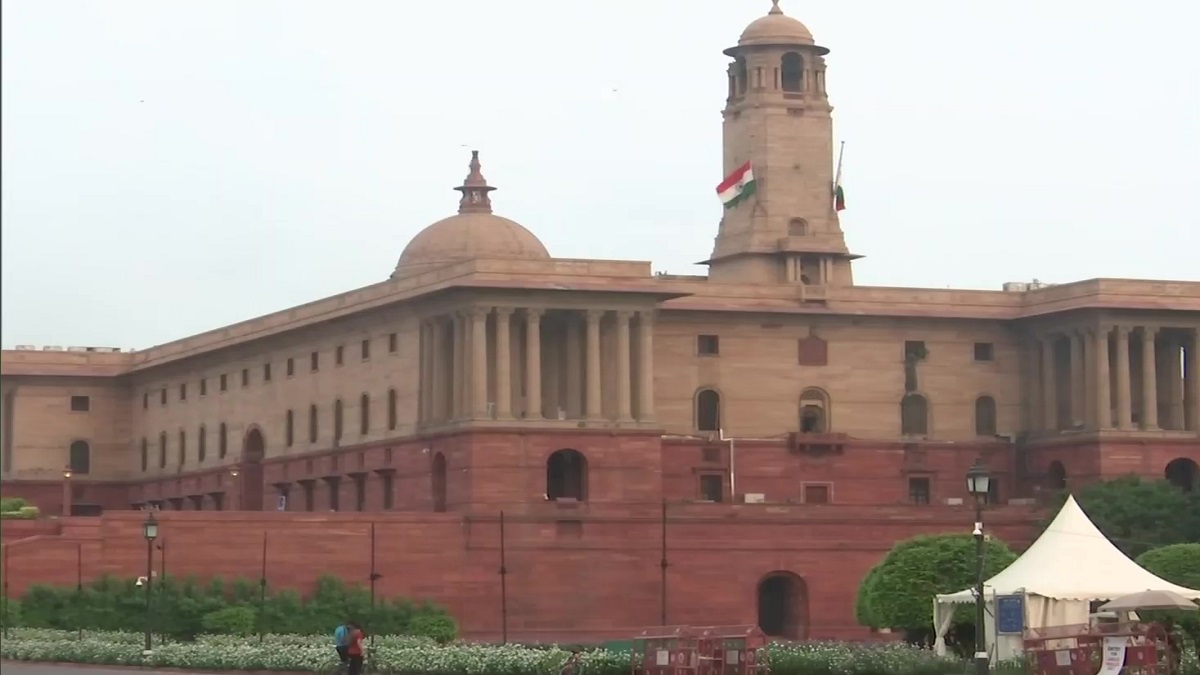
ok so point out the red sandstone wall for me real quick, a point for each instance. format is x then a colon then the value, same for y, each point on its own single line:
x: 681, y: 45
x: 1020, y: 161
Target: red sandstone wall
x: 573, y: 577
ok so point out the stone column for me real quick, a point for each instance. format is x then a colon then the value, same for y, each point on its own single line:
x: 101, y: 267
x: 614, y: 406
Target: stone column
x: 594, y: 408
x: 479, y: 363
x: 574, y: 340
x: 503, y: 363
x: 1174, y: 384
x: 1193, y: 379
x: 624, y: 357
x: 646, y: 366
x: 1124, y: 412
x: 1049, y: 390
x: 1103, y: 384
x: 425, y: 369
x: 1149, y: 379
x: 436, y: 356
x: 458, y: 380
x: 1077, y: 384
x: 533, y: 363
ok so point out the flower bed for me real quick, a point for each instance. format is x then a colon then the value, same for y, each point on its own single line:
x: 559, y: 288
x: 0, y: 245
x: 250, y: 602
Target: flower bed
x: 401, y: 655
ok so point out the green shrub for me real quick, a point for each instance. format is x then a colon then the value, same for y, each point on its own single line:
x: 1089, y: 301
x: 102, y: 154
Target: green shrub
x: 22, y: 513
x: 238, y: 620
x: 10, y: 504
x: 183, y: 609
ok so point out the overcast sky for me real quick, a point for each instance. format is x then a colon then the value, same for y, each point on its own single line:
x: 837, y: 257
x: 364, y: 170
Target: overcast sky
x: 172, y: 167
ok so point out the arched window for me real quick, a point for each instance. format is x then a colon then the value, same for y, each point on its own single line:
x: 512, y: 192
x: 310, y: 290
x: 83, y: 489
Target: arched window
x: 1056, y: 476
x: 566, y: 475
x: 289, y: 428
x: 201, y: 443
x: 797, y: 227
x: 182, y: 447
x: 337, y: 421
x: 438, y: 486
x: 222, y: 441
x: 364, y: 414
x: 985, y: 416
x: 79, y: 457
x: 914, y: 415
x: 391, y: 411
x: 791, y: 72
x: 1183, y: 473
x: 741, y: 75
x: 814, y: 411
x: 708, y: 410
x: 312, y: 423
x: 145, y: 455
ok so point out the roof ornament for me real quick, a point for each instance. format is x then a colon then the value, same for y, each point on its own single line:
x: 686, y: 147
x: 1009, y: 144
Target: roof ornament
x: 775, y: 8
x: 475, y: 190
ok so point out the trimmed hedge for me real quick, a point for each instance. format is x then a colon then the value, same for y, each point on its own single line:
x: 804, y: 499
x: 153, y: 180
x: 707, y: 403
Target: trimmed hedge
x: 421, y: 656
x: 183, y: 609
x: 18, y: 509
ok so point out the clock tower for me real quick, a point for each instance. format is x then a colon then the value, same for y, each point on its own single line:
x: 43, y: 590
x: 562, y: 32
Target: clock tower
x: 778, y: 118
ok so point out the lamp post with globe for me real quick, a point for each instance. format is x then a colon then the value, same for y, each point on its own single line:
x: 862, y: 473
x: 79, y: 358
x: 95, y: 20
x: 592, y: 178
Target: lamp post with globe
x: 979, y: 485
x: 150, y: 532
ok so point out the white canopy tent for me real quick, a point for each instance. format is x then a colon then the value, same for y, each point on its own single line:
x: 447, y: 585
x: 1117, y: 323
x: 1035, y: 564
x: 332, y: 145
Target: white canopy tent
x: 1068, y: 567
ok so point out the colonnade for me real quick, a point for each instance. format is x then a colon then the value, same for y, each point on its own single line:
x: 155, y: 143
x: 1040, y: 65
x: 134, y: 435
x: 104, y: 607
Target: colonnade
x: 508, y: 363
x: 1119, y: 377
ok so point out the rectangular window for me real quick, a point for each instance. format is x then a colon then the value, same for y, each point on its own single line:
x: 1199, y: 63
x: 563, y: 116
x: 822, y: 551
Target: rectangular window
x: 291, y: 367
x: 389, y: 489
x: 366, y: 349
x: 914, y: 350
x: 266, y: 372
x: 339, y: 356
x: 993, y: 493
x: 309, y: 489
x: 708, y: 345
x: 360, y: 492
x: 183, y: 392
x: 393, y: 343
x: 918, y: 490
x: 985, y: 351
x: 203, y: 386
x: 245, y: 377
x: 162, y: 396
x: 81, y: 403
x: 145, y: 400
x: 224, y: 383
x: 314, y: 361
x: 712, y: 488
x: 816, y: 493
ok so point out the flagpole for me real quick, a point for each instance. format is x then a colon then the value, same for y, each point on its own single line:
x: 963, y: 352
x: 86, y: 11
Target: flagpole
x: 837, y: 179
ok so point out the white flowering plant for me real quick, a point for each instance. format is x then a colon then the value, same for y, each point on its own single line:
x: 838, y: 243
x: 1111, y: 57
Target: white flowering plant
x: 405, y: 655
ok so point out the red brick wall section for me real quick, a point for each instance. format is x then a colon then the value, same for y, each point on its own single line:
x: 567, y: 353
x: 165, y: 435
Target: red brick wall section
x: 593, y: 576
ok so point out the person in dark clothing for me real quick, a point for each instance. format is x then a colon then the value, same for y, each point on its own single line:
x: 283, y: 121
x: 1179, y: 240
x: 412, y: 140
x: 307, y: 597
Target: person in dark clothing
x: 341, y: 639
x: 354, y: 650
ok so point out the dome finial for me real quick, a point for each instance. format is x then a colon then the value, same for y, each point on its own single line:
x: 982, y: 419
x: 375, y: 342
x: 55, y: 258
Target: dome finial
x: 775, y: 8
x: 475, y: 190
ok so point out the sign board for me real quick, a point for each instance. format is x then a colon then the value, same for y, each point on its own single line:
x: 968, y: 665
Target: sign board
x: 281, y: 503
x: 1010, y: 614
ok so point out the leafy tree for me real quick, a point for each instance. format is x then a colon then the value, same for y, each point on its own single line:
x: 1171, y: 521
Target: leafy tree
x: 901, y: 589
x: 1178, y: 564
x: 1137, y: 514
x: 862, y: 603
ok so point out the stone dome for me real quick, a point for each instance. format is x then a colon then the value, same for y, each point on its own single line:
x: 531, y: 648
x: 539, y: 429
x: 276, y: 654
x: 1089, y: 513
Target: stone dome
x: 474, y: 232
x: 775, y: 28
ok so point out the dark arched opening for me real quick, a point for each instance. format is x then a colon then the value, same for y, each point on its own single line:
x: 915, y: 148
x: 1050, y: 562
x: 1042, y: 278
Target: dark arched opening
x: 914, y: 415
x: 740, y: 75
x: 708, y: 410
x: 985, y: 416
x: 80, y: 457
x: 791, y: 72
x: 439, y: 483
x: 1056, y: 476
x: 254, y: 449
x: 566, y: 475
x: 814, y: 411
x: 1182, y: 473
x: 783, y: 606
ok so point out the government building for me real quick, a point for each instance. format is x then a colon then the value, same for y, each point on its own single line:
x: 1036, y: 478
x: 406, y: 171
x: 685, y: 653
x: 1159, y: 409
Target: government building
x: 729, y: 448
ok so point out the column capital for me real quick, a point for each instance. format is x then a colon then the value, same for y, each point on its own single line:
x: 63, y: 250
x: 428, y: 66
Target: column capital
x: 1123, y: 330
x: 1150, y: 332
x: 534, y: 313
x: 595, y: 314
x: 504, y: 311
x: 479, y: 312
x: 624, y: 315
x: 646, y: 314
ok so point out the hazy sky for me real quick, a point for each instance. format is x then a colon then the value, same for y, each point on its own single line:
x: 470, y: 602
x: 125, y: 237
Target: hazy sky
x: 171, y: 167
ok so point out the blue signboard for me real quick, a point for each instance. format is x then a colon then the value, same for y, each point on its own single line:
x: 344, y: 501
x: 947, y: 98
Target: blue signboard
x: 1010, y: 614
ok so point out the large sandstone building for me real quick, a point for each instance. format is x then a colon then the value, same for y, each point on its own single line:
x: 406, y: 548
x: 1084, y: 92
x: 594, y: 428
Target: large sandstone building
x: 790, y: 424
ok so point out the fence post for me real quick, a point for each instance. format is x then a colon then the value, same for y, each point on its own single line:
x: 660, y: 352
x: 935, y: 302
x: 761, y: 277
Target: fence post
x: 503, y: 585
x: 262, y: 588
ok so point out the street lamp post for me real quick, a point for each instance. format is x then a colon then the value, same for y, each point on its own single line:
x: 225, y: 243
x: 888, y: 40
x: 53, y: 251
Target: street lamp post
x: 150, y: 532
x: 979, y: 485
x: 68, y: 492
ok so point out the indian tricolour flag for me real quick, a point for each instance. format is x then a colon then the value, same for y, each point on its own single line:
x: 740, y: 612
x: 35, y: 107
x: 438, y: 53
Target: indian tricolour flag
x: 737, y: 187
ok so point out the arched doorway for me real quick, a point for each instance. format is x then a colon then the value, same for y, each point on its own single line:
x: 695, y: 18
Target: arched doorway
x: 566, y: 475
x: 1183, y: 473
x: 1056, y: 476
x: 438, y: 483
x: 254, y: 448
x: 783, y: 606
